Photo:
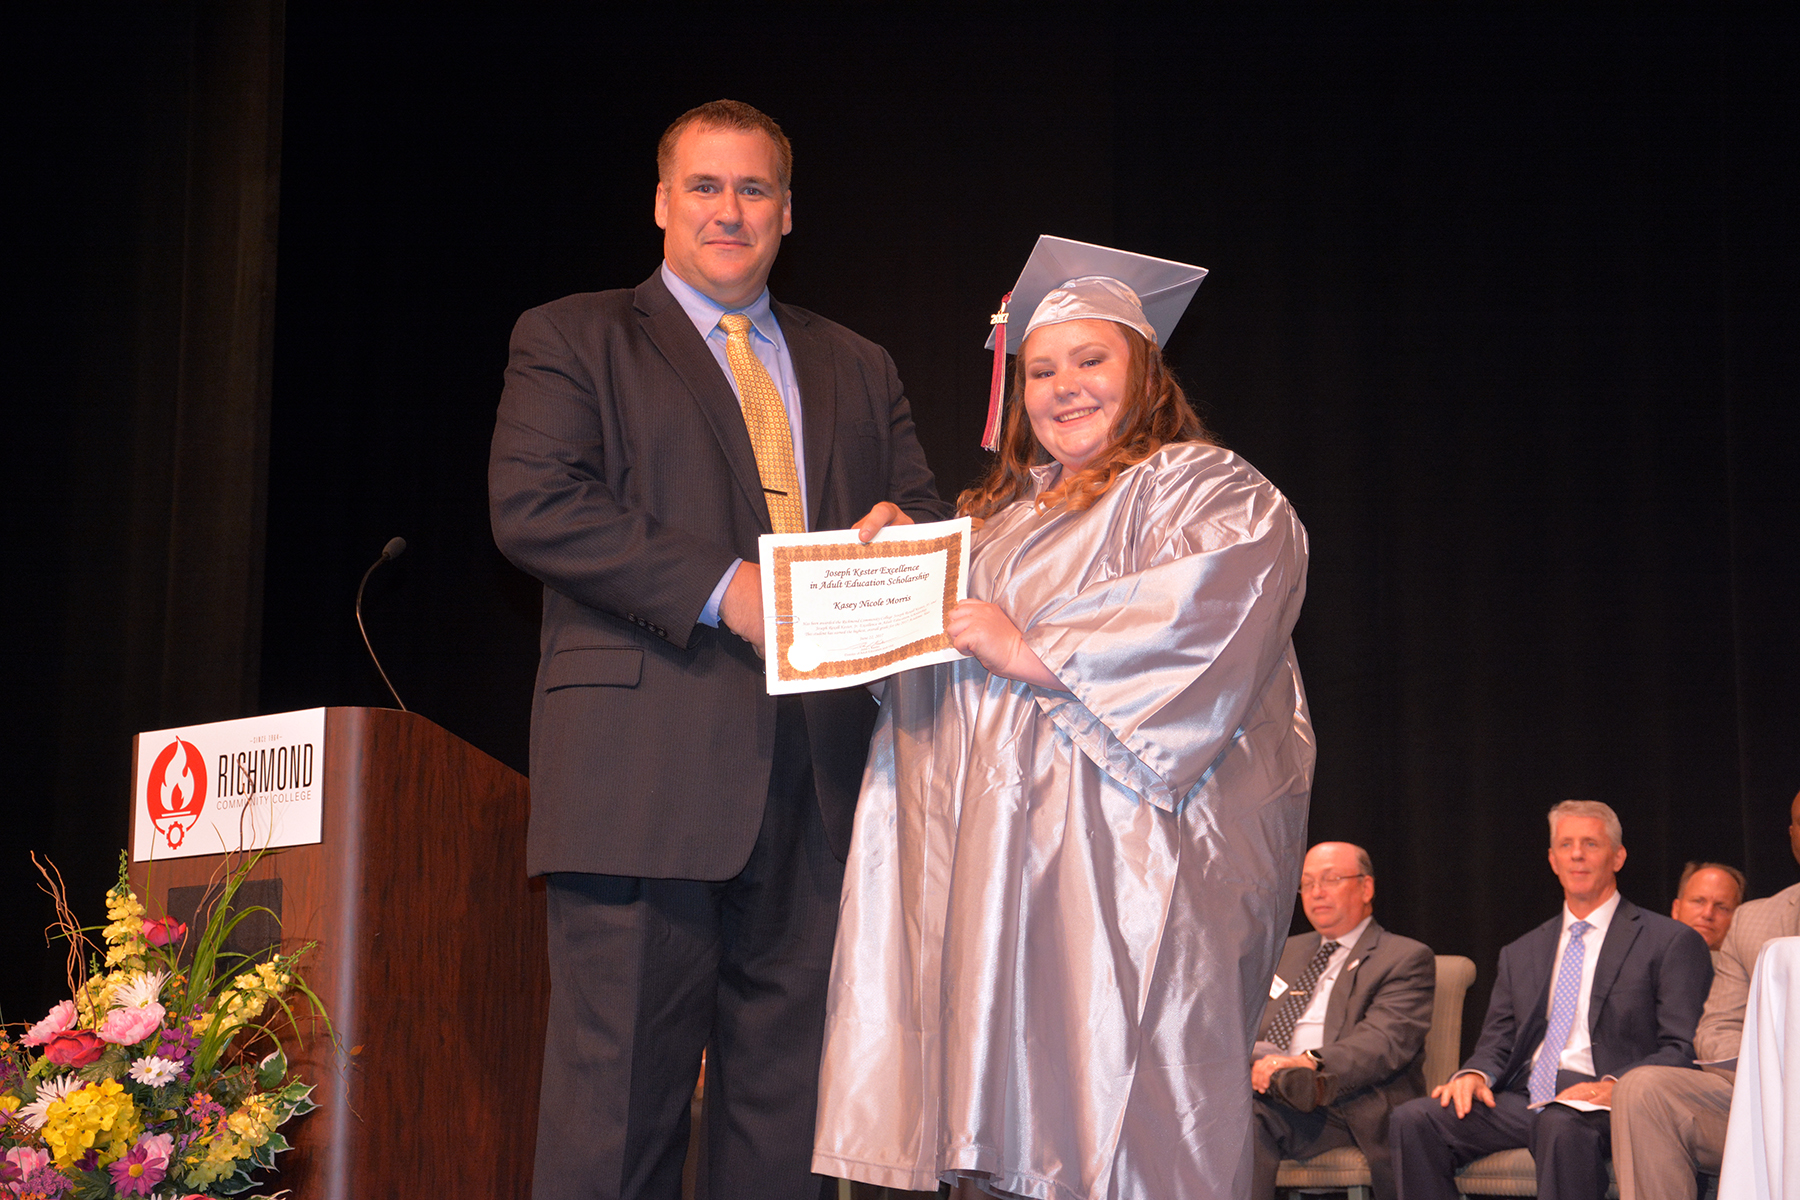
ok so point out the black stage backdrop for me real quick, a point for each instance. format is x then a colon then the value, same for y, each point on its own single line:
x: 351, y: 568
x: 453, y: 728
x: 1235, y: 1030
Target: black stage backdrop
x: 1501, y: 299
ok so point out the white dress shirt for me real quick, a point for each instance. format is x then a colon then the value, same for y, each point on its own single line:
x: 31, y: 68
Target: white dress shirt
x: 1578, y: 1051
x: 1309, y: 1029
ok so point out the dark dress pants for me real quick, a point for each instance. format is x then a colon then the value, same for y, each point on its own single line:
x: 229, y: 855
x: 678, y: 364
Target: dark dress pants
x: 1282, y: 1132
x: 646, y: 972
x: 1570, y: 1147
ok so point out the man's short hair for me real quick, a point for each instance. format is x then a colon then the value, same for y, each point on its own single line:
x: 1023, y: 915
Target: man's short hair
x: 1588, y: 808
x: 726, y: 114
x: 1687, y: 873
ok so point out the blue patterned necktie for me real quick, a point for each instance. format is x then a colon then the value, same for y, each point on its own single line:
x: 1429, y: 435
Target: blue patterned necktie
x: 1562, y: 1015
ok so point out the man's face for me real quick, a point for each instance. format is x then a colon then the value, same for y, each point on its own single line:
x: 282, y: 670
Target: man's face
x: 1335, y: 908
x: 1794, y: 828
x: 1585, y: 860
x: 723, y: 212
x: 1706, y: 902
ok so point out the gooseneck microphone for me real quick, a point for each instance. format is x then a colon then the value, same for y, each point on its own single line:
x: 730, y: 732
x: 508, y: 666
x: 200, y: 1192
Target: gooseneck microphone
x: 394, y: 549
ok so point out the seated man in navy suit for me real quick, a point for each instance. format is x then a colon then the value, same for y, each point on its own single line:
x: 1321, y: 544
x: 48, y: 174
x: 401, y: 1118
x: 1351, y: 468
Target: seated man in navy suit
x: 1577, y: 1002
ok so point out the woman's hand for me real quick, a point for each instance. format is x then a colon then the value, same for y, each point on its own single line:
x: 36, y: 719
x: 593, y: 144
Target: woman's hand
x: 980, y: 629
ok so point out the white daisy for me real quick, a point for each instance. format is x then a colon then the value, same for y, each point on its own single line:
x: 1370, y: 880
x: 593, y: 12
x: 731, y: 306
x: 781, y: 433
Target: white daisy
x: 140, y: 990
x: 153, y: 1071
x: 48, y: 1091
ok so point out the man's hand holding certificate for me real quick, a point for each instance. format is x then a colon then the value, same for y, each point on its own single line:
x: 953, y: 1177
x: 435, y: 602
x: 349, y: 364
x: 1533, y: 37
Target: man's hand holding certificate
x: 839, y: 612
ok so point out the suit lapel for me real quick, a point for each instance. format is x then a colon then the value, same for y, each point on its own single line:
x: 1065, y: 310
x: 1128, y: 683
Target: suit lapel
x: 816, y: 374
x: 1338, y: 1006
x: 667, y: 326
x: 1623, y: 931
x: 1541, y: 963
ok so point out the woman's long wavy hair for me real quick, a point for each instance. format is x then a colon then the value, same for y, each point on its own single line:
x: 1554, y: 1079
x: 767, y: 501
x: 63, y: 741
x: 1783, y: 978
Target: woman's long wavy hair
x: 1157, y: 412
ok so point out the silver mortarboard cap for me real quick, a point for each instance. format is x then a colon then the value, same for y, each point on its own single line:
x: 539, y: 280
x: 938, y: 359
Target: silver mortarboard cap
x: 1065, y: 280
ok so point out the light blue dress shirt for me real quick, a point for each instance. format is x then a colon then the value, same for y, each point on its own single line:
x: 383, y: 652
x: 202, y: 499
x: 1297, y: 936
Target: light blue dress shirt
x: 771, y: 348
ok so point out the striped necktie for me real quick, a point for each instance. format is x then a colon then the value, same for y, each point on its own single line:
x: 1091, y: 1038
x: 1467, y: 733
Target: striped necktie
x: 766, y: 418
x: 1562, y: 1015
x: 1281, y: 1029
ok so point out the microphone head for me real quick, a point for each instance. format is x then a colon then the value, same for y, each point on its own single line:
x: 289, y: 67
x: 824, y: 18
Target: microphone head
x: 394, y: 549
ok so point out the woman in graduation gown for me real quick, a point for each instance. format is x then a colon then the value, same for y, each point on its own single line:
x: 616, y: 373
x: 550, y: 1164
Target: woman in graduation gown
x: 1076, y: 851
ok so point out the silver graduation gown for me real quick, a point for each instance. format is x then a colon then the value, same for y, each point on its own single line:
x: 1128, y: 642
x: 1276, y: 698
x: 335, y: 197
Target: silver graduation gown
x: 1062, y: 909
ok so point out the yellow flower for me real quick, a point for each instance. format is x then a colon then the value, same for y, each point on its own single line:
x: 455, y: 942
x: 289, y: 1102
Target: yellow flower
x: 253, y: 1121
x: 201, y: 1170
x: 271, y: 978
x: 125, y: 935
x: 98, y: 1117
x: 217, y: 1159
x: 121, y: 901
x: 9, y: 1103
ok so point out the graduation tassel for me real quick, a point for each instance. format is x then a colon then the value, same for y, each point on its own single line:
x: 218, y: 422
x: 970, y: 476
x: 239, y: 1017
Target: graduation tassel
x: 990, y: 437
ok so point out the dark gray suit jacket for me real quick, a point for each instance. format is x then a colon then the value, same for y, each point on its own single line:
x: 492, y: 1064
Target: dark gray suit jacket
x: 1650, y: 983
x: 621, y: 475
x: 1375, y: 1024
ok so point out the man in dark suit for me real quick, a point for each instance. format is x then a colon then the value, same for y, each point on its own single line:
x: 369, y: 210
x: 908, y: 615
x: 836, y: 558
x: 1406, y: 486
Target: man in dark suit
x: 691, y: 827
x: 1577, y: 1002
x: 1343, y: 1037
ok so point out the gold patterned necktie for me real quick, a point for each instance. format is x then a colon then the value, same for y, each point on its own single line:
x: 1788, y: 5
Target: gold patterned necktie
x: 766, y: 418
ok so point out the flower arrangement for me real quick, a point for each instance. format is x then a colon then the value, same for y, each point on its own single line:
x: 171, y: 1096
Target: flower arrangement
x: 145, y: 1082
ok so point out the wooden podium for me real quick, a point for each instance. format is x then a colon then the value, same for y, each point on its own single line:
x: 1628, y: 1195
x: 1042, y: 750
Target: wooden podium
x: 430, y: 961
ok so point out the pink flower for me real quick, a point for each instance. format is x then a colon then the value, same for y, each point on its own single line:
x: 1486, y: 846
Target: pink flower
x: 21, y: 1161
x: 61, y: 1017
x: 129, y: 1026
x: 143, y: 1166
x: 164, y: 931
x: 74, y: 1048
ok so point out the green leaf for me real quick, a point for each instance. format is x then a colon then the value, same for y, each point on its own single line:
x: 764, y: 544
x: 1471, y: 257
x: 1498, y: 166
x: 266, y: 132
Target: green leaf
x: 271, y: 1070
x: 90, y: 1185
x: 239, y: 1181
x: 292, y: 1101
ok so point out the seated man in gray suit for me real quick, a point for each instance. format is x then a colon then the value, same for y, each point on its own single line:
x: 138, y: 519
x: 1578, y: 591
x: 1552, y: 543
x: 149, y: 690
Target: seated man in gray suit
x: 1669, y: 1123
x: 1588, y: 995
x: 1343, y: 1037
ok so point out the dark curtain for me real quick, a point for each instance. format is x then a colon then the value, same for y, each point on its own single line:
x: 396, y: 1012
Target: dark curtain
x: 1500, y: 298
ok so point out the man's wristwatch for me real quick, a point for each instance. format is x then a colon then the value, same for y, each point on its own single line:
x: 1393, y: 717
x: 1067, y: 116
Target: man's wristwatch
x: 1317, y: 1062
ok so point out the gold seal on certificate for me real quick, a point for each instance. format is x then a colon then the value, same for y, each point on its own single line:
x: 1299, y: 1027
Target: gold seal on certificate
x: 837, y: 612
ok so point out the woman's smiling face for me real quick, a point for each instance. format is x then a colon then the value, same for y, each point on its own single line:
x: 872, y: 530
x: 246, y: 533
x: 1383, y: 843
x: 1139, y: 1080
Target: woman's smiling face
x: 1075, y: 380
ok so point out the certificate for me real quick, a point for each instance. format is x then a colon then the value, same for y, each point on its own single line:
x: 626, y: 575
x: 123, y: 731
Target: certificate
x: 837, y: 612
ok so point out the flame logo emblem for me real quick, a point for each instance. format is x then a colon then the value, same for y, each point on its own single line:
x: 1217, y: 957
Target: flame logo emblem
x: 177, y: 790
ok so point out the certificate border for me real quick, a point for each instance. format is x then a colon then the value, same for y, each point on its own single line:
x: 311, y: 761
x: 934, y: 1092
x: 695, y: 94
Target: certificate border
x: 783, y: 566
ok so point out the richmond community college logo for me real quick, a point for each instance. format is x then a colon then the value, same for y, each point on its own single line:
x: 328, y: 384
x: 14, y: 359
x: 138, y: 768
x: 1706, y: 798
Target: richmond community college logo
x: 177, y: 790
